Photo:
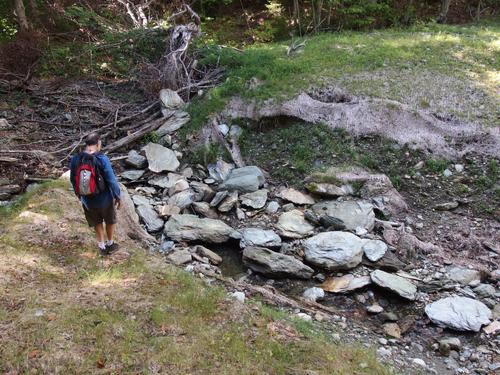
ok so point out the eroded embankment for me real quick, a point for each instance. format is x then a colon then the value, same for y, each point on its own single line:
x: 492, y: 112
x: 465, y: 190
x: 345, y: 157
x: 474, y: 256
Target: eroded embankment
x: 368, y: 116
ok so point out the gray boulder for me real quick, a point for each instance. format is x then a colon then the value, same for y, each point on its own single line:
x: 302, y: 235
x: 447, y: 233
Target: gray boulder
x: 295, y: 196
x: 204, y: 209
x: 256, y: 200
x: 140, y: 199
x: 229, y: 202
x: 149, y: 217
x: 132, y: 174
x: 170, y: 99
x: 136, y: 160
x: 160, y: 158
x: 292, y: 224
x: 353, y: 214
x: 313, y: 294
x: 259, y: 237
x: 396, y: 284
x: 182, y: 199
x: 193, y: 228
x: 179, y: 257
x: 460, y: 313
x: 220, y: 170
x: 246, y: 179
x: 334, y: 250
x: 273, y: 264
x: 463, y: 275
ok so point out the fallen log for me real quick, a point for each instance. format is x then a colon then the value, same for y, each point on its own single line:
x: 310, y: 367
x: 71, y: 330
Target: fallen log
x: 9, y: 160
x: 135, y: 135
x: 271, y: 295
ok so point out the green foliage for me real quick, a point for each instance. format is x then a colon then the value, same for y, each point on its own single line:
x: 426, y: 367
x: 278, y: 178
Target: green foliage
x: 151, y: 137
x: 115, y: 55
x: 436, y: 165
x: 7, y: 30
x: 362, y: 14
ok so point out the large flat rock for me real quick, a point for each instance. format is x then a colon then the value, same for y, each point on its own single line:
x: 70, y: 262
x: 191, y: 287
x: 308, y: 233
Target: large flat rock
x: 192, y: 228
x: 396, y: 284
x: 460, y: 313
x: 160, y: 158
x: 353, y: 214
x: 245, y: 179
x: 334, y: 250
x: 273, y: 264
x: 259, y: 237
x: 292, y: 224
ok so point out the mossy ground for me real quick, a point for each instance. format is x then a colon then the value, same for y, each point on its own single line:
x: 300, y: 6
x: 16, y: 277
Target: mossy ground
x: 65, y: 310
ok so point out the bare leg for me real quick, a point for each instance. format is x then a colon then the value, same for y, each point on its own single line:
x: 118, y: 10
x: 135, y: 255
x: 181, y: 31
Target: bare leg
x: 110, y: 230
x: 99, y: 232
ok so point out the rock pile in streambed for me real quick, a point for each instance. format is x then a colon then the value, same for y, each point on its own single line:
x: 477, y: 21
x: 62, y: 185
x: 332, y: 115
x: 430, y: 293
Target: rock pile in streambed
x: 344, y: 234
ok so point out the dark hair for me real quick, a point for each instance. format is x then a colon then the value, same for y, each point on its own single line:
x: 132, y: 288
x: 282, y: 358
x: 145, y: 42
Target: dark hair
x: 92, y: 139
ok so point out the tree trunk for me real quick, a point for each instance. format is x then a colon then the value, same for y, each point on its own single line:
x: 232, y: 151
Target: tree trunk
x: 445, y: 6
x: 317, y: 10
x: 21, y: 15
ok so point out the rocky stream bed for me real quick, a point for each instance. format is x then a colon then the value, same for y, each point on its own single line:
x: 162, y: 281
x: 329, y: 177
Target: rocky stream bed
x: 346, y: 243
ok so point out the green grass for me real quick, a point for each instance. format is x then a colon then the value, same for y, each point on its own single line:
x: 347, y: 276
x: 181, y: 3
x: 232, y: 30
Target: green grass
x: 400, y: 56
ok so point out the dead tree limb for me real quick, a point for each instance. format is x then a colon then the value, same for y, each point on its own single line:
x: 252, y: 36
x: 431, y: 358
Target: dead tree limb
x: 234, y: 151
x: 149, y: 127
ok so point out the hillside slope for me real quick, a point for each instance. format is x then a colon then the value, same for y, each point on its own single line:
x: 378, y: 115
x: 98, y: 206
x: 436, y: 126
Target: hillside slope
x: 65, y: 310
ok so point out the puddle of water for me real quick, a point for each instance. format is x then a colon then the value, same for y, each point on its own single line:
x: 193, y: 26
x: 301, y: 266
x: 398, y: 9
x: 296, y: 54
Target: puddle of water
x: 232, y: 264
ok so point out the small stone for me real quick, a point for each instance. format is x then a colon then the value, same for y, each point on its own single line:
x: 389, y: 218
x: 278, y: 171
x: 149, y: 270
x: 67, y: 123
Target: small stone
x: 492, y: 328
x: 382, y: 341
x: 459, y: 168
x: 256, y: 199
x: 166, y: 246
x: 375, y: 309
x: 132, y: 174
x: 314, y: 294
x: 272, y: 207
x: 160, y: 158
x: 447, y: 173
x: 446, y: 206
x: 229, y: 202
x: 239, y: 296
x: 224, y: 129
x: 212, y: 256
x: 419, y: 362
x: 219, y: 197
x: 179, y: 257
x: 383, y: 352
x: 136, y: 160
x: 485, y: 290
x: 392, y: 329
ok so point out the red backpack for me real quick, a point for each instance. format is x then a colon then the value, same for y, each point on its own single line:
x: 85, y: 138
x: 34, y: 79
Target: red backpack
x: 88, y: 177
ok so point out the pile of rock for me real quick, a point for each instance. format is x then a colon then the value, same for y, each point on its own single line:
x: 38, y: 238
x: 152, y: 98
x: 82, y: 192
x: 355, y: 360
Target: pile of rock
x: 286, y: 233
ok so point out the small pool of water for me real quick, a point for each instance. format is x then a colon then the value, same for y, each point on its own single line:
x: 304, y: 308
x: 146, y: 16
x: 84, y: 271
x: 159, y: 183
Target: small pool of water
x: 232, y: 264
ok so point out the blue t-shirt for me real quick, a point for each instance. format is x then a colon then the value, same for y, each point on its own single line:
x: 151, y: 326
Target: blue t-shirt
x: 112, y: 191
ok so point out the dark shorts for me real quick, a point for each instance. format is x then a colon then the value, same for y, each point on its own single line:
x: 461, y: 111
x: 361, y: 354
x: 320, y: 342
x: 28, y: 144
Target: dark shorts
x: 97, y: 215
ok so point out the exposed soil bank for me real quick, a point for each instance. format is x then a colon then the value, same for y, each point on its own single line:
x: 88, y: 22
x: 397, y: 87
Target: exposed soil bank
x: 387, y: 118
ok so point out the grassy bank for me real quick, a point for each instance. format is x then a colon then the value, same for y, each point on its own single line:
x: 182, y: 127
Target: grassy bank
x: 64, y: 310
x: 450, y: 69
